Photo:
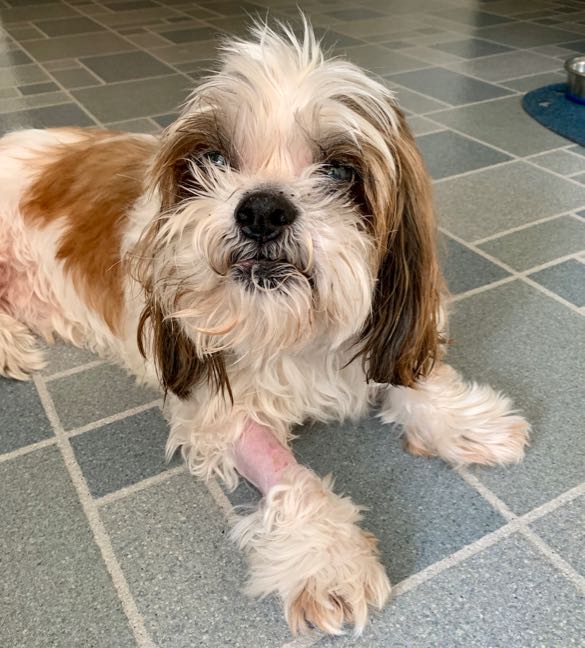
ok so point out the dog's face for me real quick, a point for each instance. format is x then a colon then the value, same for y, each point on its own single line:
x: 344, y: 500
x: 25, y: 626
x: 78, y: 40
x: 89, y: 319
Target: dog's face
x: 294, y: 207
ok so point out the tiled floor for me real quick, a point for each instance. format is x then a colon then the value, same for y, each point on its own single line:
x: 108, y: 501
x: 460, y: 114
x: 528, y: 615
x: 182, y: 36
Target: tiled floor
x: 102, y: 545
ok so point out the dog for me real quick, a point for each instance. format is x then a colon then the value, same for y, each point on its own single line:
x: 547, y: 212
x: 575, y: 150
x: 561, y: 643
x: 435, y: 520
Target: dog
x: 269, y: 259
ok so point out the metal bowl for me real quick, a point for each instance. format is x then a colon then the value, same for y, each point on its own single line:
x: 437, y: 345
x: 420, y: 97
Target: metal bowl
x: 575, y: 67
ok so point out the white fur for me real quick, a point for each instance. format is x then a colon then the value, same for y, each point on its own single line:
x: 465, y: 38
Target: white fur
x: 288, y: 351
x: 304, y: 544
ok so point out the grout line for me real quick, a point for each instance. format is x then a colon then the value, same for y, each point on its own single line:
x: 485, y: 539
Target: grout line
x: 20, y: 452
x: 155, y: 480
x: 113, y: 419
x: 454, y: 559
x: 305, y: 641
x: 496, y: 503
x: 100, y: 535
x: 518, y: 275
x: 463, y: 174
x: 519, y: 228
x: 476, y: 291
x: 554, y: 504
x: 73, y: 370
x: 220, y: 497
x: 560, y: 563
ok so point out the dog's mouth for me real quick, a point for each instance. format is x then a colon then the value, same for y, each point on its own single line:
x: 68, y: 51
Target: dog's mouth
x: 263, y: 273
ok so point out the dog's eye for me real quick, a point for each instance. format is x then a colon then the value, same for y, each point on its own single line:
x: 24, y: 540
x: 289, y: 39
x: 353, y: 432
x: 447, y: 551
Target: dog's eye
x: 216, y: 158
x: 340, y: 172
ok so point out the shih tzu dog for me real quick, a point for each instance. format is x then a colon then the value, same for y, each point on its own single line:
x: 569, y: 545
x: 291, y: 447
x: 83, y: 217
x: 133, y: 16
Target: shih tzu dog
x: 270, y: 259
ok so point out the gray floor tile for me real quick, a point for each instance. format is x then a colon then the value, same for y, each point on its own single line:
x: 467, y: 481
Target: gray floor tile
x: 141, y: 125
x: 579, y: 178
x: 526, y: 84
x: 465, y: 606
x: 564, y: 531
x: 13, y: 57
x: 421, y: 126
x: 507, y: 66
x: 18, y: 13
x: 24, y: 33
x: 55, y: 588
x: 447, y: 153
x: 566, y: 279
x: 525, y: 34
x: 415, y: 102
x: 32, y: 101
x: 189, y: 52
x: 22, y: 417
x: 504, y: 124
x: 126, y: 66
x: 419, y: 508
x: 189, y: 35
x: 61, y: 356
x: 471, y: 48
x: 488, y: 201
x: 359, y: 13
x: 381, y: 60
x: 133, y: 99
x: 21, y: 75
x: 68, y: 26
x: 185, y: 575
x: 67, y: 114
x: 563, y: 162
x: 538, y: 244
x: 73, y: 46
x: 38, y: 88
x: 530, y: 347
x: 448, y: 86
x: 165, y: 120
x: 148, y: 16
x: 123, y: 453
x: 75, y: 78
x: 465, y: 270
x: 473, y: 17
x: 96, y: 393
x: 430, y: 55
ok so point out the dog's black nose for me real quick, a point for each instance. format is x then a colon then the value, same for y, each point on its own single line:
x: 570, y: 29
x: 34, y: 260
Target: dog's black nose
x: 262, y: 215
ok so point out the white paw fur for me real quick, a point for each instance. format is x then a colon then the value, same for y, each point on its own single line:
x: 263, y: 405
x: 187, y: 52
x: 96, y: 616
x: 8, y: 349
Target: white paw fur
x: 460, y: 422
x: 305, y: 545
x: 19, y: 353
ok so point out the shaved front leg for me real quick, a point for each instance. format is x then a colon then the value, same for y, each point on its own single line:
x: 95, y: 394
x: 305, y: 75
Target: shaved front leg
x: 304, y: 542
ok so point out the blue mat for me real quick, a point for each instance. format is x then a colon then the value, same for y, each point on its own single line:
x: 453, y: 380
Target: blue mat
x: 551, y: 108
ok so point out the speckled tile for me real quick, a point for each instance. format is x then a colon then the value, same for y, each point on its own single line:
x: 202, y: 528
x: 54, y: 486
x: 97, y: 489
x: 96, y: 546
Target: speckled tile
x: 566, y: 279
x: 464, y: 269
x: 471, y: 48
x: 502, y: 123
x: 61, y: 357
x: 447, y: 153
x: 75, y: 78
x: 132, y: 99
x: 564, y: 531
x: 126, y: 66
x: 530, y: 347
x: 538, y: 244
x: 184, y: 573
x: 22, y: 417
x: 466, y: 606
x: 381, y: 60
x: 96, y: 393
x: 487, y: 202
x: 68, y: 26
x: 10, y: 77
x: 123, y: 453
x: 56, y: 590
x: 523, y: 34
x: 414, y: 101
x: 66, y: 114
x: 526, y: 84
x: 507, y: 66
x: 73, y: 46
x: 563, y: 162
x: 448, y: 86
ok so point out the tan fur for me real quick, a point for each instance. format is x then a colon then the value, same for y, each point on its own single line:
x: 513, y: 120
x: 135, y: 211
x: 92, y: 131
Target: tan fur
x: 92, y: 184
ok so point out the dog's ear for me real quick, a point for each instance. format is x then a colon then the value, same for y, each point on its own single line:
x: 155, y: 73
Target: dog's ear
x: 401, y: 338
x: 179, y: 366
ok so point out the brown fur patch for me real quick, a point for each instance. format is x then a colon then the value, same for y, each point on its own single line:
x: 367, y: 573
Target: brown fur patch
x: 92, y: 184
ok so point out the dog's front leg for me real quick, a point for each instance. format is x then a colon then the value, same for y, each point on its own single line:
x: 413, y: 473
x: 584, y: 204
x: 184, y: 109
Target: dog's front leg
x: 303, y: 542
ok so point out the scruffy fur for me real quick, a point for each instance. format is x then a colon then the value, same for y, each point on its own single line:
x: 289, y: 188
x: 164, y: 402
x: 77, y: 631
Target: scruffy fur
x: 127, y: 244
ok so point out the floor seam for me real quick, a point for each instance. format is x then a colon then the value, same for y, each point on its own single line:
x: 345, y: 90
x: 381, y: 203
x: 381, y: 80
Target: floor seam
x: 96, y: 525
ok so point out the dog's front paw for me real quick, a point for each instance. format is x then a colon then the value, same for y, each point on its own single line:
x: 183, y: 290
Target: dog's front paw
x: 305, y: 545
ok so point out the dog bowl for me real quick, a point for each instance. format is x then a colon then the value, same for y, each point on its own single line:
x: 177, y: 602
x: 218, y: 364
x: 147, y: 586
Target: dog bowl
x: 575, y: 67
